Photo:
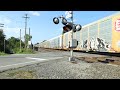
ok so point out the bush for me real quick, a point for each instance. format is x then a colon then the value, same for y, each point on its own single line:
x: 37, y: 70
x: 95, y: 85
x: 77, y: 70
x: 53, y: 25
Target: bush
x: 17, y: 51
x: 24, y: 51
x: 2, y: 53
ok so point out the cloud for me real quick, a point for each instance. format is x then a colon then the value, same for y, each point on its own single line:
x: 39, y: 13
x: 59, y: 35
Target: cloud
x: 11, y: 28
x: 15, y: 32
x: 34, y: 13
x: 5, y: 20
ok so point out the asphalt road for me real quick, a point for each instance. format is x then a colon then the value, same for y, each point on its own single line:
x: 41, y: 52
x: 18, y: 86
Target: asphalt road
x: 20, y: 60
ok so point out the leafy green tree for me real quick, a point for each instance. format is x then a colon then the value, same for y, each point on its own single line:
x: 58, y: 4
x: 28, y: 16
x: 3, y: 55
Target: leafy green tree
x: 2, y: 37
x: 28, y: 38
x: 14, y: 44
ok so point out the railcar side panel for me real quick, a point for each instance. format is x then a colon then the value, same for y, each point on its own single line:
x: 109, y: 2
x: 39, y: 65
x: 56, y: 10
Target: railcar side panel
x: 92, y: 36
x: 105, y: 35
x: 61, y: 42
x: 116, y: 33
x: 65, y: 40
x: 84, y: 38
x: 78, y: 39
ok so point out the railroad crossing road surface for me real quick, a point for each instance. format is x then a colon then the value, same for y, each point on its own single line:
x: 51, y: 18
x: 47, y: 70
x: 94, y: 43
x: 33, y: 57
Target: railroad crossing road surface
x: 17, y: 60
x: 20, y: 60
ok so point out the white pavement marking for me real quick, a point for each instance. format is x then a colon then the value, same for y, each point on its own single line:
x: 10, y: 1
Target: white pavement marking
x: 56, y: 58
x: 38, y: 59
x: 16, y: 64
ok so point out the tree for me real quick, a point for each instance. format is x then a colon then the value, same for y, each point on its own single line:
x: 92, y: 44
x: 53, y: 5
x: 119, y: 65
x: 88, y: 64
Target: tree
x: 28, y: 38
x: 14, y: 44
x: 2, y: 37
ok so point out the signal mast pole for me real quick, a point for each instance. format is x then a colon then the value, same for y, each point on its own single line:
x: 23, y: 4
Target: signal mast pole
x: 71, y: 49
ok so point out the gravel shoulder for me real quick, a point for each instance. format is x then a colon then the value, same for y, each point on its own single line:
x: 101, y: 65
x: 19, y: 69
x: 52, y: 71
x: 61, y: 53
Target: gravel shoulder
x: 63, y: 69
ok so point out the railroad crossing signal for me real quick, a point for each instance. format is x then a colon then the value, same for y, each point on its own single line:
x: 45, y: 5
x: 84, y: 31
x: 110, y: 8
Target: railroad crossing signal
x: 69, y: 26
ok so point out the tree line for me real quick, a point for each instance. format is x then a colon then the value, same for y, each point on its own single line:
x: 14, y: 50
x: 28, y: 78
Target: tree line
x: 12, y: 44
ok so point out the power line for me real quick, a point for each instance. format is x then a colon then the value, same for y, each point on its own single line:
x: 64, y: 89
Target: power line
x: 26, y: 17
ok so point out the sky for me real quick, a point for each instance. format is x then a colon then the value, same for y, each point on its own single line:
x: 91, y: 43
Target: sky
x: 41, y: 22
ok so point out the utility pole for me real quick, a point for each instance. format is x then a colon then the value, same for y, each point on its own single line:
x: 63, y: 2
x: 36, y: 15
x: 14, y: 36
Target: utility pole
x: 4, y: 45
x: 29, y: 35
x: 29, y: 44
x: 20, y: 40
x: 26, y: 17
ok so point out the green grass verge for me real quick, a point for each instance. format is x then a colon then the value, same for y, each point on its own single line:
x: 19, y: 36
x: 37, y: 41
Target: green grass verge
x: 25, y: 51
x: 2, y: 54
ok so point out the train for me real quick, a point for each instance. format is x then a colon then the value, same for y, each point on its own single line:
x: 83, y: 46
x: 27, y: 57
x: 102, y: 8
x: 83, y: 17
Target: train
x: 102, y: 35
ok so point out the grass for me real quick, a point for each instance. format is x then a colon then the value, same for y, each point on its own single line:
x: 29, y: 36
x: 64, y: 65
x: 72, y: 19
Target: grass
x: 17, y: 51
x: 2, y: 54
x: 25, y: 51
x: 22, y: 75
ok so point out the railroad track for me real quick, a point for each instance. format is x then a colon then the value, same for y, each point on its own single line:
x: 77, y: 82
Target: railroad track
x: 108, y: 58
x: 105, y: 60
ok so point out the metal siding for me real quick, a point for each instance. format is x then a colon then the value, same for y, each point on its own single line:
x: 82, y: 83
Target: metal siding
x: 74, y: 35
x: 105, y: 33
x: 66, y: 39
x: 93, y: 30
x: 55, y: 43
x: 93, y: 34
x: 84, y: 37
x: 60, y: 42
x: 78, y: 38
x: 115, y: 34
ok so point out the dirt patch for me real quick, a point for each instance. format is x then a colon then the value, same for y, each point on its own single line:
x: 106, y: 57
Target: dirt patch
x: 91, y: 59
x: 111, y: 60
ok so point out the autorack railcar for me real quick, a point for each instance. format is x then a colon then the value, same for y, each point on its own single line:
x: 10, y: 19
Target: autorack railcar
x: 102, y: 35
